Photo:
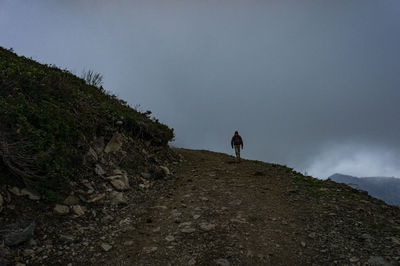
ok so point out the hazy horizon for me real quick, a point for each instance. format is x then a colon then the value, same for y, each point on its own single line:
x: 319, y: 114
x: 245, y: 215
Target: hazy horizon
x: 310, y: 84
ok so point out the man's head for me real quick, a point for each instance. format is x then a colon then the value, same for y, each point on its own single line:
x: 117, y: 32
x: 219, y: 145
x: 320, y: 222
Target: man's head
x: 236, y: 133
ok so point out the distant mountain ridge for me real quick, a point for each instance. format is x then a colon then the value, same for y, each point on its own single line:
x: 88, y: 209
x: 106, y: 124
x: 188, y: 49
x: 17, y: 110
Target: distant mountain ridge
x: 384, y: 188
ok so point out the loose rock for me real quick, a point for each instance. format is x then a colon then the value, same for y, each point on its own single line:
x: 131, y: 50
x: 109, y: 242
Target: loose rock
x: 99, y: 170
x: 119, y: 182
x: 15, y: 190
x: 165, y: 170
x: 222, y: 262
x: 188, y: 230
x: 114, y: 144
x: 145, y: 175
x: 32, y: 194
x: 71, y: 200
x: 61, y: 209
x: 128, y: 243
x: 106, y: 247
x: 118, y: 198
x: 149, y: 249
x: 207, y: 227
x: 78, y: 210
x: 170, y: 238
x: 353, y: 259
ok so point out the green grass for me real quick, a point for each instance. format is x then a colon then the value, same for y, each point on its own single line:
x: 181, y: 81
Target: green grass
x: 313, y: 184
x: 48, y: 117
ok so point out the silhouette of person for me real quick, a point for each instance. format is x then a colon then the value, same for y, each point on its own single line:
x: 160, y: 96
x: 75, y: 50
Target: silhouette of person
x: 237, y: 141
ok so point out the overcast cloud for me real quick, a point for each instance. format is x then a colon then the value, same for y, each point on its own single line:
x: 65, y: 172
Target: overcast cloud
x: 311, y: 84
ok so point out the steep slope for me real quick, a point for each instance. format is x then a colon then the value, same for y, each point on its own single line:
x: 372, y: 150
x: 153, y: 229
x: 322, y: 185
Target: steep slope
x: 49, y: 119
x: 70, y: 153
x: 384, y: 188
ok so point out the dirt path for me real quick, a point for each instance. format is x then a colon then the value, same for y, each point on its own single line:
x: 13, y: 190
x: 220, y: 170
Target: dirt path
x: 217, y: 212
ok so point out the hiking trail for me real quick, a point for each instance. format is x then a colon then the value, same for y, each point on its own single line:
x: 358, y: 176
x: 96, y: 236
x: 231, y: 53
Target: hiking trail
x: 218, y: 212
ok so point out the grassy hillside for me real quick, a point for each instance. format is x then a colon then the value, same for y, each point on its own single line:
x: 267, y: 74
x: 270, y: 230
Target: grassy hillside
x: 48, y: 117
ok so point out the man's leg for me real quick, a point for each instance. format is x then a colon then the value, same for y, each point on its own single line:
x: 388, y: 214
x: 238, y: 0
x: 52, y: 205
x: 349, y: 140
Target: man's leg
x: 237, y: 151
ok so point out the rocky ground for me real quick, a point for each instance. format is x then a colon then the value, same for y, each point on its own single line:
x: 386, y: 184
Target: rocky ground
x: 209, y: 210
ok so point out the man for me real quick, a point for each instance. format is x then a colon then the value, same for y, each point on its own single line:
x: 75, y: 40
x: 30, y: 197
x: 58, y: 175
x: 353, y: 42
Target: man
x: 237, y: 142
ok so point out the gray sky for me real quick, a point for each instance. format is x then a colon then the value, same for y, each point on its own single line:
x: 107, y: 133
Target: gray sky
x: 311, y: 84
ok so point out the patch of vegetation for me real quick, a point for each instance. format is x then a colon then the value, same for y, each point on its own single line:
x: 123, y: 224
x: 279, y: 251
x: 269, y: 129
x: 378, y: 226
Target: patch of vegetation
x: 49, y: 116
x: 312, y: 183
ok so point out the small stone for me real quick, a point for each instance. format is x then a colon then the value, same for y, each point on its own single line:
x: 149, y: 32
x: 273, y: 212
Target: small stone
x: 149, y: 249
x: 187, y: 230
x: 99, y: 170
x: 107, y: 219
x: 238, y: 220
x: 32, y: 194
x: 222, y: 262
x: 128, y: 243
x: 15, y: 190
x: 61, y: 209
x: 118, y: 171
x: 366, y: 236
x: 204, y: 199
x: 236, y: 202
x: 196, y: 216
x: 312, y: 235
x: 207, y: 227
x: 118, y: 198
x: 145, y: 175
x: 303, y: 244
x: 68, y: 238
x: 115, y: 143
x: 125, y: 222
x: 395, y: 240
x: 95, y: 198
x: 106, y: 247
x: 119, y: 182
x: 119, y: 185
x: 170, y: 238
x: 192, y: 261
x: 71, y: 200
x: 28, y: 252
x: 160, y: 207
x: 165, y: 170
x: 92, y: 154
x: 175, y: 213
x: 185, y: 224
x: 78, y: 210
x: 353, y: 259
x: 156, y: 230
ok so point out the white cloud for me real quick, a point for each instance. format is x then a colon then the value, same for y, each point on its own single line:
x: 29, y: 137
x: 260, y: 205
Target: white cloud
x: 356, y: 160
